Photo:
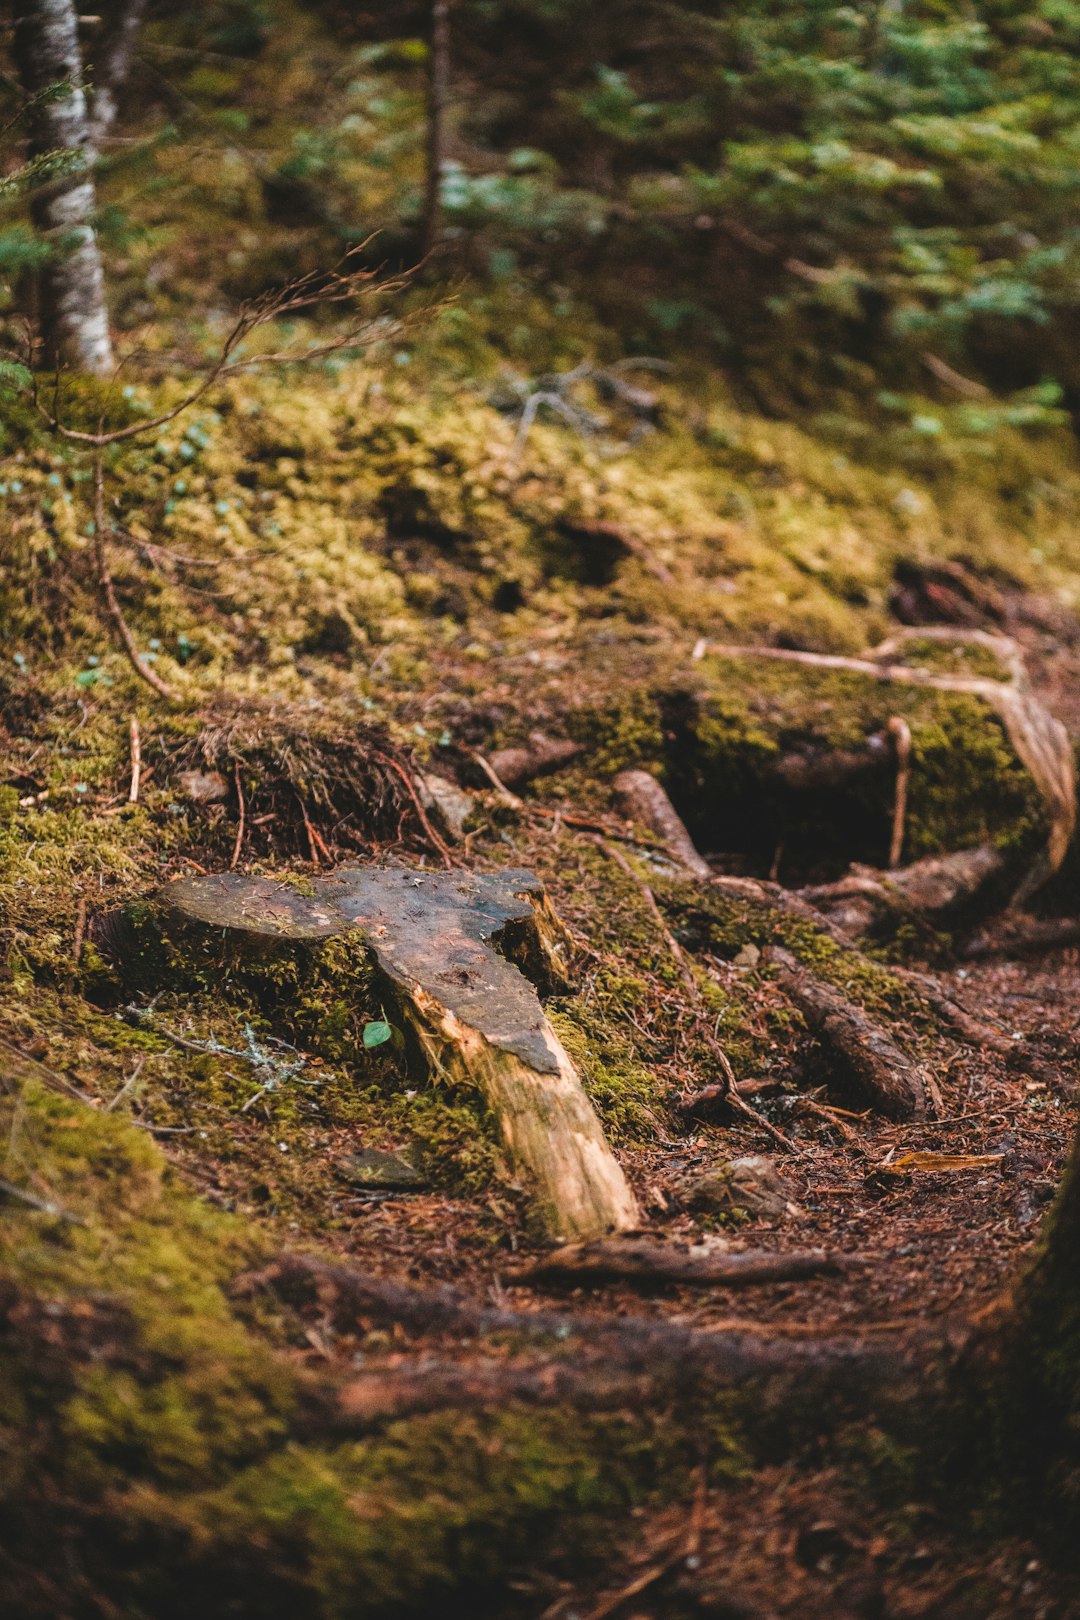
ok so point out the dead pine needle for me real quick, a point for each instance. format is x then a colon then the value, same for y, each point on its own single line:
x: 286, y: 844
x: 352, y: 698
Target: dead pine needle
x: 729, y: 1088
x: 677, y: 953
x: 313, y: 846
x: 422, y: 815
x: 497, y: 783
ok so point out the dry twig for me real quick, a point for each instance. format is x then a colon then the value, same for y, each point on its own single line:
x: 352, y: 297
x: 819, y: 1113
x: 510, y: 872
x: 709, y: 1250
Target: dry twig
x: 108, y: 589
x: 239, y: 844
x: 136, y: 760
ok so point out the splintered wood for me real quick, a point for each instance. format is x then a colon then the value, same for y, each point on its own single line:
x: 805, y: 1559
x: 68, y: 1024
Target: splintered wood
x: 455, y: 949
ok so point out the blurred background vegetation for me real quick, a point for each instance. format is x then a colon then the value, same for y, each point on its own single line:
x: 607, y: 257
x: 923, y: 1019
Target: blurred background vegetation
x: 864, y: 212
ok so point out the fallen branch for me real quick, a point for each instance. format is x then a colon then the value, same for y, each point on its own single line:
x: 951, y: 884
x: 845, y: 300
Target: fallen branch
x: 866, y: 1059
x: 655, y: 1265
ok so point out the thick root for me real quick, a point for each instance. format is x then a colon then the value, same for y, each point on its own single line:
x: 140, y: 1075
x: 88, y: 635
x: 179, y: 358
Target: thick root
x: 867, y: 1062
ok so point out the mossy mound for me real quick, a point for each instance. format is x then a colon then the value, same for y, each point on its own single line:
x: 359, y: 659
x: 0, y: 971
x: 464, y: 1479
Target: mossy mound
x: 162, y: 1446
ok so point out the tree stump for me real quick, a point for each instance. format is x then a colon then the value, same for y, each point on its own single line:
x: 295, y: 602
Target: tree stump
x: 455, y: 949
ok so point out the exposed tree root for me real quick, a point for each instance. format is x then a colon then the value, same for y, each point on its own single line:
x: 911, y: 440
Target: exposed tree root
x: 1026, y: 937
x: 976, y: 1031
x: 662, y: 1356
x: 655, y: 1265
x: 643, y: 799
x: 868, y: 1062
x: 1041, y: 741
x: 513, y: 766
x: 938, y: 886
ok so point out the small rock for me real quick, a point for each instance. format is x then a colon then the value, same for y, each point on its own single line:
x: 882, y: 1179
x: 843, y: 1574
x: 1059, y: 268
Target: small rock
x: 748, y: 957
x: 451, y: 804
x: 752, y: 1184
x: 204, y: 787
x: 388, y: 1171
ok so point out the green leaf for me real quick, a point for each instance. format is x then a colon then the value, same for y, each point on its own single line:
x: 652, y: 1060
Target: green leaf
x: 377, y: 1033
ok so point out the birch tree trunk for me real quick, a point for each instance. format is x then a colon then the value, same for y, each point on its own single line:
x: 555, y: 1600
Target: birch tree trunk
x: 74, y: 319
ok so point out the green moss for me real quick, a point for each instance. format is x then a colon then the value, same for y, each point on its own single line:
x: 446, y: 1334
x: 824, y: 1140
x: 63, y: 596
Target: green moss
x: 624, y: 1092
x: 180, y: 1434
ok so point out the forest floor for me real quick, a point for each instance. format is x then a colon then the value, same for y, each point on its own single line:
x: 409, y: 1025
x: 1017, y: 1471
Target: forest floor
x: 805, y: 1531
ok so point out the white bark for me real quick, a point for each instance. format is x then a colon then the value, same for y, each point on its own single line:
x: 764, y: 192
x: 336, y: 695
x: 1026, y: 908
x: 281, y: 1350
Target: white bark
x: 74, y: 318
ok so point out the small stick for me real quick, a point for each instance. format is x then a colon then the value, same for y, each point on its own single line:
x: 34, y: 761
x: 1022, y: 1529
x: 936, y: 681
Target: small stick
x: 126, y: 1087
x: 136, y: 760
x: 901, y: 732
x: 80, y: 931
x: 45, y: 1205
x: 309, y: 829
x: 239, y: 844
x: 497, y: 783
x: 108, y: 590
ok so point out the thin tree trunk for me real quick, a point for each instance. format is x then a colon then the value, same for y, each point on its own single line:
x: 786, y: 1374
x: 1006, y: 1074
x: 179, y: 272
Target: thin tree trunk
x: 74, y: 319
x: 109, y: 69
x: 438, y: 95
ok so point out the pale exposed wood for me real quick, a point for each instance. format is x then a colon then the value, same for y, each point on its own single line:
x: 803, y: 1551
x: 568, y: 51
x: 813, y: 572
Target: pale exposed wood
x: 136, y: 760
x: 901, y: 733
x: 455, y: 949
